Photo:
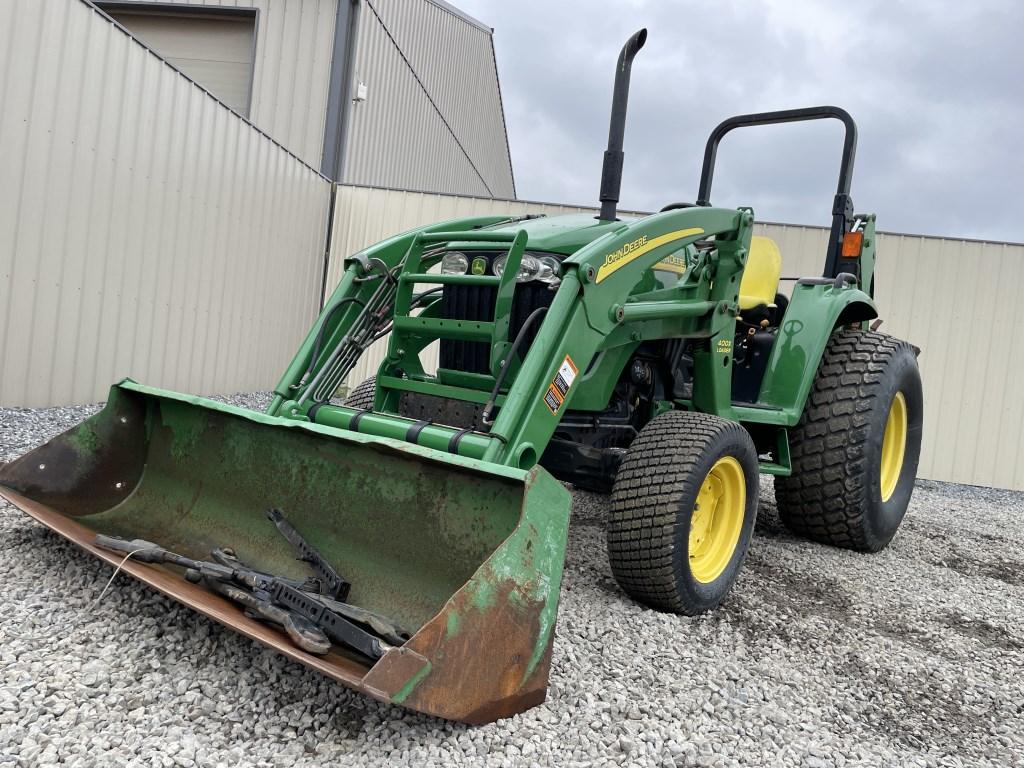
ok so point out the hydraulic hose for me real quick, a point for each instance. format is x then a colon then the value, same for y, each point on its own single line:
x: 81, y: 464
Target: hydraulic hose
x: 485, y: 416
x: 320, y: 333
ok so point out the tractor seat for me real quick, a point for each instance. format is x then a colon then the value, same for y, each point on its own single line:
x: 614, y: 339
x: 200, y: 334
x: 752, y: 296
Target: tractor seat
x: 760, y: 280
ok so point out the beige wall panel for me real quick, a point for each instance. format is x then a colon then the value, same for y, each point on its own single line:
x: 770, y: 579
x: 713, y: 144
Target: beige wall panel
x: 227, y: 80
x: 294, y: 47
x: 218, y: 38
x: 215, y: 52
x: 143, y: 226
x: 955, y: 299
x: 397, y: 138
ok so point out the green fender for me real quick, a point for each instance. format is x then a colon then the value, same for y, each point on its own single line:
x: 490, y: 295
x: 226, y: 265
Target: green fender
x: 814, y: 312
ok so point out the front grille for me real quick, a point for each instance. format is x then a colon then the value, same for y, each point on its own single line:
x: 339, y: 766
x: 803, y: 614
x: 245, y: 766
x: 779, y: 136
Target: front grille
x: 467, y: 302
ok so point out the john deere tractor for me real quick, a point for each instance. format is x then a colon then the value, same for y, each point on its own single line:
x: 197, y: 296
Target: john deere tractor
x: 654, y: 358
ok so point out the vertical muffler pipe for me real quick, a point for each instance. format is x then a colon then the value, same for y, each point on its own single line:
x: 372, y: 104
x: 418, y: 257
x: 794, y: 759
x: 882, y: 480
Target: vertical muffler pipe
x: 611, y: 173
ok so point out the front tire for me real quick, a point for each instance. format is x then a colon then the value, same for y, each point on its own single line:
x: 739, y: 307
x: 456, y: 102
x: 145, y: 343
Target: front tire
x: 856, y: 448
x: 682, y: 511
x: 362, y: 396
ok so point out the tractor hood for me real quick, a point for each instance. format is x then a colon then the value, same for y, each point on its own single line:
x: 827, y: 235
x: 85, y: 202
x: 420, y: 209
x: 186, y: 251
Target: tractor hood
x: 561, y: 234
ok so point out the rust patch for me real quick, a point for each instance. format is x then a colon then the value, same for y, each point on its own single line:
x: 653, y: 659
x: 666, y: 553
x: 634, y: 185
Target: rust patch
x: 344, y: 668
x: 91, y: 467
x: 475, y: 674
x: 479, y: 672
x: 482, y: 653
x: 393, y: 671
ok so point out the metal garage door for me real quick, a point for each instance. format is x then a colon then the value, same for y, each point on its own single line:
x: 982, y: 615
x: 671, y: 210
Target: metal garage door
x: 214, y: 49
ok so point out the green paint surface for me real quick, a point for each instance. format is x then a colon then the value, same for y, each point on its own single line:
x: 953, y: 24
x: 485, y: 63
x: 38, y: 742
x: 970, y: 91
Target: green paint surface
x: 403, y: 693
x: 407, y: 526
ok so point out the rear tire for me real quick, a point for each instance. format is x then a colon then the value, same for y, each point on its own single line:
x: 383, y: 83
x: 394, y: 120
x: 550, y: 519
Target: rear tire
x: 682, y: 511
x: 854, y: 465
x: 363, y: 395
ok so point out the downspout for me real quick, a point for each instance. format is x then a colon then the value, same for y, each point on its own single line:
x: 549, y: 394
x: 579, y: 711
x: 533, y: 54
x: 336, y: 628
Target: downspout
x: 339, y: 96
x: 339, y: 110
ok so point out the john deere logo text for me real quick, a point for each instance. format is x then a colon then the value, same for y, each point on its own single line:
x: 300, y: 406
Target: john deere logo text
x: 633, y: 250
x: 624, y: 251
x: 479, y: 266
x: 672, y: 263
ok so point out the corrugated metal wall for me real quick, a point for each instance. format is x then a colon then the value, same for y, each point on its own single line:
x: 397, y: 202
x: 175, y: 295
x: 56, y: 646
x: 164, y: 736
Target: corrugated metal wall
x: 294, y: 46
x: 397, y: 137
x: 145, y: 229
x: 956, y: 299
x: 214, y: 50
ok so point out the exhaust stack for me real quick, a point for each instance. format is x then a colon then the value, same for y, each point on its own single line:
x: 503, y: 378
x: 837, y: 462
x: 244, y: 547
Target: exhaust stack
x: 611, y: 173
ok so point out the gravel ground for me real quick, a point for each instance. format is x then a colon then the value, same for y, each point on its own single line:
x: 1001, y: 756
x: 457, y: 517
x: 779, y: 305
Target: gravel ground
x: 820, y: 658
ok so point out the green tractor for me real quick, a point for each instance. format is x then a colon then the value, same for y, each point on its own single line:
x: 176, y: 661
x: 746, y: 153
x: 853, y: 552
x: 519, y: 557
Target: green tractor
x: 653, y: 358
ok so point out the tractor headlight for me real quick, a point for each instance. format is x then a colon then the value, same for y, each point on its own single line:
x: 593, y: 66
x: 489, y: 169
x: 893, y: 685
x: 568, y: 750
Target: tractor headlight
x: 543, y: 269
x: 550, y: 269
x: 454, y: 263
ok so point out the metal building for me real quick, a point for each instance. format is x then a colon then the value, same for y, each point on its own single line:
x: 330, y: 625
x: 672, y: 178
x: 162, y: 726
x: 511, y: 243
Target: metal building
x: 141, y: 221
x: 400, y: 93
x: 162, y: 168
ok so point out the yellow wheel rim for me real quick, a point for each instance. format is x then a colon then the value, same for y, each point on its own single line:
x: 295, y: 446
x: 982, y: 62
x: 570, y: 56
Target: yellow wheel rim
x: 894, y: 445
x: 717, y: 519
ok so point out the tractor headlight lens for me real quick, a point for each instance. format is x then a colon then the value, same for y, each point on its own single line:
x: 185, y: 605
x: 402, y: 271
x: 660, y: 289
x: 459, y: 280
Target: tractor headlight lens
x: 543, y: 269
x: 454, y: 263
x: 552, y: 269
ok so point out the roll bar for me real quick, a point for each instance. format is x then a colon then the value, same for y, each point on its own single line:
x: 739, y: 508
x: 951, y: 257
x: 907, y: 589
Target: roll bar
x: 842, y: 206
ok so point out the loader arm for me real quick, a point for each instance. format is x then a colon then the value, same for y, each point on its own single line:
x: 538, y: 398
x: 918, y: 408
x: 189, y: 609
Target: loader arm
x: 594, y: 311
x: 343, y: 306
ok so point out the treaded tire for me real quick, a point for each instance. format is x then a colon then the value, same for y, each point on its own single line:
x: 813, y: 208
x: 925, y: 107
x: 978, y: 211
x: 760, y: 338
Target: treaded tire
x: 834, y: 495
x: 362, y: 396
x: 653, y: 502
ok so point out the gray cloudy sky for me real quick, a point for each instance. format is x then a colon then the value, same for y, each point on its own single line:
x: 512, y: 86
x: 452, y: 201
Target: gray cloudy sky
x: 936, y: 88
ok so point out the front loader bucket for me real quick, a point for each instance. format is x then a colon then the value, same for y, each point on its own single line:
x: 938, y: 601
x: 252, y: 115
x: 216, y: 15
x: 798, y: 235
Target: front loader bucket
x: 465, y: 555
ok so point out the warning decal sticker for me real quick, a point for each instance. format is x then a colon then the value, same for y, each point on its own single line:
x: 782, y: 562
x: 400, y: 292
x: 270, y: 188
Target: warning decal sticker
x: 559, y: 387
x: 551, y: 400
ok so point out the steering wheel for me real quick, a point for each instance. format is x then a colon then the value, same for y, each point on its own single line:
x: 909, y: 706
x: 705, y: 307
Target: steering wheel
x: 676, y: 206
